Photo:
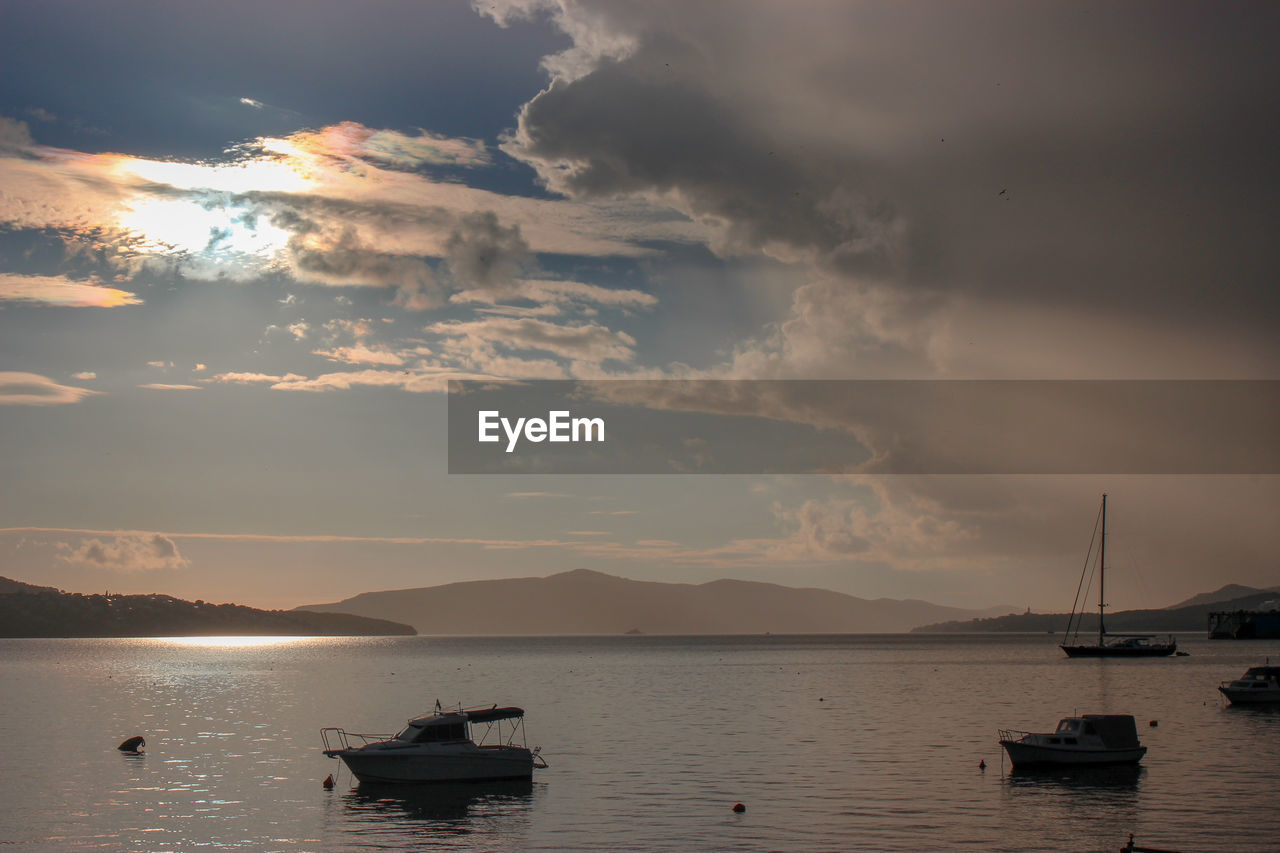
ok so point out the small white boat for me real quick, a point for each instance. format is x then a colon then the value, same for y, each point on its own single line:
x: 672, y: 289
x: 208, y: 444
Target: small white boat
x: 1259, y: 684
x: 439, y: 747
x: 1089, y: 739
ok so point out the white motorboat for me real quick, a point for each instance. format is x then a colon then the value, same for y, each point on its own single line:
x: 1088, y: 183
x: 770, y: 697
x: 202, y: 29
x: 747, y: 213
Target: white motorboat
x: 1259, y: 684
x: 1089, y: 739
x: 439, y: 747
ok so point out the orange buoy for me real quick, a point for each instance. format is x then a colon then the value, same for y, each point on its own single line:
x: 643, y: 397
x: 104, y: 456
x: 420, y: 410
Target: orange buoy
x: 739, y: 808
x: 982, y: 764
x: 328, y: 782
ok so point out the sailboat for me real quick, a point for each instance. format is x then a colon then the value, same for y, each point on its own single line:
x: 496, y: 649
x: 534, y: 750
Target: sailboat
x: 1110, y: 645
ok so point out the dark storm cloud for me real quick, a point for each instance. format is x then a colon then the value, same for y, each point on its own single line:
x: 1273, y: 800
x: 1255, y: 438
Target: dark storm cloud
x: 1056, y: 153
x: 483, y: 253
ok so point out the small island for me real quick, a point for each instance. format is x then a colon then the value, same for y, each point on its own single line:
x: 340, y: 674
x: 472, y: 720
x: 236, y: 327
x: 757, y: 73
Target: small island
x: 27, y: 610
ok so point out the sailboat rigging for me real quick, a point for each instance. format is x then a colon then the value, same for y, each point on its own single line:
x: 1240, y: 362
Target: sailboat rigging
x: 1110, y: 645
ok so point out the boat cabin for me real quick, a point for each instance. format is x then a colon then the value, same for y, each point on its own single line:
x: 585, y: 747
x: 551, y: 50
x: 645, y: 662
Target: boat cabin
x: 1116, y: 731
x: 1262, y: 673
x: 456, y: 726
x: 440, y: 728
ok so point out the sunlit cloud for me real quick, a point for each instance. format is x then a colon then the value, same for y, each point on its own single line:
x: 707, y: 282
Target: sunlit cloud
x: 362, y: 354
x: 125, y: 553
x: 84, y: 375
x: 254, y: 378
x: 343, y: 205
x: 531, y: 495
x: 56, y: 290
x: 548, y: 291
x: 32, y: 389
x: 158, y: 386
x: 590, y: 343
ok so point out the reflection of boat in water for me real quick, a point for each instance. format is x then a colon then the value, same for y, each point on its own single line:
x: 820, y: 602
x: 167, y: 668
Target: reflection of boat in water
x: 439, y: 748
x: 437, y: 802
x: 1092, y: 739
x: 1121, y: 645
x: 1259, y: 685
x: 1102, y: 783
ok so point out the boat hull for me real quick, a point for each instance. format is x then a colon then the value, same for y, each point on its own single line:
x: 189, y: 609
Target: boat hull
x: 1026, y: 755
x: 1249, y: 696
x: 1152, y: 651
x: 485, y: 764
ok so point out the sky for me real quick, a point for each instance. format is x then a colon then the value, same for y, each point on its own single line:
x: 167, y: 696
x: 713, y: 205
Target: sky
x: 244, y: 247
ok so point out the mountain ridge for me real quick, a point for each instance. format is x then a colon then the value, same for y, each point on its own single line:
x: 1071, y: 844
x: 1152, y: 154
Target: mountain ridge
x: 27, y: 610
x: 584, y: 601
x: 1194, y: 617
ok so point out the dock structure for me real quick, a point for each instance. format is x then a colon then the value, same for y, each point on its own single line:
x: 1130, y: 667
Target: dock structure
x: 1244, y: 625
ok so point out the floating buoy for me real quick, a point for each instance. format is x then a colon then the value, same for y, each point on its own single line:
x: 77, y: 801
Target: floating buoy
x: 820, y: 699
x: 739, y: 808
x: 133, y: 744
x: 1153, y: 723
x: 328, y: 782
x: 982, y: 764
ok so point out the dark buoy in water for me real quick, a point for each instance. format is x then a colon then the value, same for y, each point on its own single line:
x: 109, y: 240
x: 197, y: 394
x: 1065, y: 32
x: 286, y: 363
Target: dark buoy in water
x: 328, y: 782
x: 1153, y: 723
x: 739, y: 808
x: 982, y: 764
x: 133, y: 744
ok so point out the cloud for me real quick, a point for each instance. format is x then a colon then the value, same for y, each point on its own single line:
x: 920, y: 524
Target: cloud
x: 125, y: 553
x: 84, y: 375
x: 483, y: 253
x: 352, y: 143
x: 254, y: 378
x: 15, y: 136
x: 362, y: 354
x: 588, y: 343
x: 551, y: 291
x: 344, y: 205
x: 157, y: 386
x: 56, y: 290
x: 31, y: 389
x: 807, y: 138
x: 529, y: 495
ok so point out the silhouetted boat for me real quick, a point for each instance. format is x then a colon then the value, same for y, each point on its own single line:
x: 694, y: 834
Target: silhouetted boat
x: 439, y: 748
x: 1110, y: 645
x: 1092, y: 739
x: 1259, y: 685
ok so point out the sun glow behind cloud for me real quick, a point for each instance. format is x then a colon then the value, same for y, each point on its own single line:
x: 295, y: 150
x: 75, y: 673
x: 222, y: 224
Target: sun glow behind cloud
x: 216, y: 229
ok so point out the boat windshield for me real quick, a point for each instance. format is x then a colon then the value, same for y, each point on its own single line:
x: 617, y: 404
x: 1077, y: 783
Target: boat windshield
x: 1068, y: 726
x: 434, y: 733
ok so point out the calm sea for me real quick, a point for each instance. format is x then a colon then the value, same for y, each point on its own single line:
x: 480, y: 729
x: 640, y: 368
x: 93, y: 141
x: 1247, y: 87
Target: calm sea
x: 832, y: 743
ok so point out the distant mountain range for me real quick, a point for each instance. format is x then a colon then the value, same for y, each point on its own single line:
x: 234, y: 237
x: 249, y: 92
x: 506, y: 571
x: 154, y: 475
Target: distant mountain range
x: 41, y: 611
x: 587, y: 602
x: 1189, y: 615
x: 574, y: 602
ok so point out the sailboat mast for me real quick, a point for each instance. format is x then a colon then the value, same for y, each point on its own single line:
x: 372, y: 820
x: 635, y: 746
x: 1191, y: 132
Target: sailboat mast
x: 1102, y: 573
